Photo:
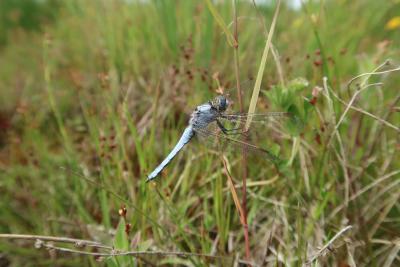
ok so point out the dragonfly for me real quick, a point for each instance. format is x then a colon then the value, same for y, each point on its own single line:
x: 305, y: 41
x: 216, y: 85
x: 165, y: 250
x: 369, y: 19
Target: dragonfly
x: 214, y: 113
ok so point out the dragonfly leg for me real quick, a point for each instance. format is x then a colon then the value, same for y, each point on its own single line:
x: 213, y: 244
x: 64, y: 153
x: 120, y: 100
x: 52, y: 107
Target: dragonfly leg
x: 236, y: 131
x: 233, y: 131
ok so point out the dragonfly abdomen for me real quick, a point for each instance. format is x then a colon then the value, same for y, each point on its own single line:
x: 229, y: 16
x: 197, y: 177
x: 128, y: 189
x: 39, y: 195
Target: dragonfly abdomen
x: 185, y: 138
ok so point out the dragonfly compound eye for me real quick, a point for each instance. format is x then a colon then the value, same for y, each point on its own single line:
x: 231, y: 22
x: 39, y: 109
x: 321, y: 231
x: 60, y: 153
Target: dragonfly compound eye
x: 222, y: 103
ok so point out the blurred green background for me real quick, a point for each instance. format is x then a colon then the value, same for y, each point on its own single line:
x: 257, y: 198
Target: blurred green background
x: 93, y: 95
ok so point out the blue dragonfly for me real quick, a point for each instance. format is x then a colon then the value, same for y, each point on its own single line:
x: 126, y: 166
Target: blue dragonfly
x: 207, y: 121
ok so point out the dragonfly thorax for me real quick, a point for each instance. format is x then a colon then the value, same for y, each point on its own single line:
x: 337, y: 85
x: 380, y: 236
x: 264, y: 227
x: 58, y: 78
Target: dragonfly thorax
x: 204, y: 115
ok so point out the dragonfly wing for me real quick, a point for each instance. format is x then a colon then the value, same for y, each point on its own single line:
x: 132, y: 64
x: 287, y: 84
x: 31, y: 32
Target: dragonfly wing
x: 233, y: 143
x: 272, y: 123
x: 259, y: 118
x: 185, y: 138
x: 207, y: 136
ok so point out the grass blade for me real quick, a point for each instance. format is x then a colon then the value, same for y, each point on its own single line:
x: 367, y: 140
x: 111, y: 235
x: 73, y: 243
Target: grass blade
x: 257, y: 85
x: 221, y: 23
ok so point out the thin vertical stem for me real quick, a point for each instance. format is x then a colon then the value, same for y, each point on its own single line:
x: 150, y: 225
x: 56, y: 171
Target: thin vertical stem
x: 244, y: 158
x: 236, y: 56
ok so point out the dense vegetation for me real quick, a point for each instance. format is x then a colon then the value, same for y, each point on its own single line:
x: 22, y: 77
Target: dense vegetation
x: 93, y: 95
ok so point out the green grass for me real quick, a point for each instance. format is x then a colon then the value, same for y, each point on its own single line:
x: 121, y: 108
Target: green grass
x: 98, y: 93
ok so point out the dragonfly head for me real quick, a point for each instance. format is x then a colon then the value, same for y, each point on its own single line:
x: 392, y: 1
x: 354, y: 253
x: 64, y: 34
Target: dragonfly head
x: 220, y: 103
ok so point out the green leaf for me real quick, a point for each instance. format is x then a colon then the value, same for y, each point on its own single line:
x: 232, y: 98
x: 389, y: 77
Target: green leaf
x: 175, y: 261
x: 298, y: 84
x: 145, y: 245
x: 121, y: 241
